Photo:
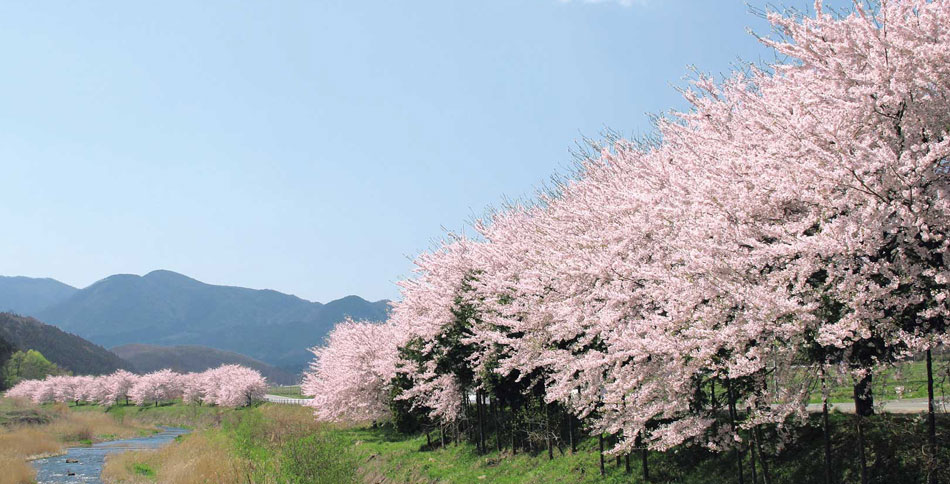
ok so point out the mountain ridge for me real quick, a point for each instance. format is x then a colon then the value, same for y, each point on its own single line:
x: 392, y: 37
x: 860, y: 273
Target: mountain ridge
x: 167, y: 308
x: 27, y: 295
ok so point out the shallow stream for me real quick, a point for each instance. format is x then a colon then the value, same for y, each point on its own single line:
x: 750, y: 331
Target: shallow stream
x: 90, y: 459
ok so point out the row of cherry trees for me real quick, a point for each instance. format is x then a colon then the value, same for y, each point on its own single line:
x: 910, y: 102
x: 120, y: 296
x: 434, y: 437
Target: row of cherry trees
x: 696, y: 287
x: 226, y: 386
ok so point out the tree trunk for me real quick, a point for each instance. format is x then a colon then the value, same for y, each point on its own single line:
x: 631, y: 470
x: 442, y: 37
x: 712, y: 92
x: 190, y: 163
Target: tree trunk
x: 644, y: 454
x: 547, y: 428
x: 626, y: 463
x: 494, y: 416
x: 481, y: 425
x: 615, y: 439
x: 600, y: 443
x: 864, y: 463
x: 863, y: 407
x: 732, y: 420
x: 766, y: 475
x: 826, y: 429
x: 863, y: 398
x: 931, y: 420
x: 514, y: 440
x: 570, y: 433
x: 442, y: 433
x: 755, y: 475
x: 460, y: 424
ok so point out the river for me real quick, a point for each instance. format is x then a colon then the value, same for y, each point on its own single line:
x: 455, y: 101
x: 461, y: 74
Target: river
x: 90, y: 459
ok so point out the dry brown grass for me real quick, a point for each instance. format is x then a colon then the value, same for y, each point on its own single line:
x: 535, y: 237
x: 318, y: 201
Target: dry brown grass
x: 16, y: 446
x: 15, y: 471
x: 284, y: 422
x: 197, y: 459
x: 77, y: 427
x: 30, y: 431
x: 27, y: 442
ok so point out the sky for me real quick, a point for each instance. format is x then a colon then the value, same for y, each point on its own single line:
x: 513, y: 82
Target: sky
x: 315, y: 147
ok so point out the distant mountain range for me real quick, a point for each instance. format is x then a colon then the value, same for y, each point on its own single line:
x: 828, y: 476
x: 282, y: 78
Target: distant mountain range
x: 167, y: 308
x: 66, y: 350
x: 25, y: 295
x: 191, y: 358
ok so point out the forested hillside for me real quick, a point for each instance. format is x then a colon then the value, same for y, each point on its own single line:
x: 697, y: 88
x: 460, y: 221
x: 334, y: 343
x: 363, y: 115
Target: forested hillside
x: 66, y: 350
x: 6, y: 349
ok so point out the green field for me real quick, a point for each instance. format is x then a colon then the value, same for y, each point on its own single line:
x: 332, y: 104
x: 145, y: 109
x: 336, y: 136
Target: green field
x: 286, y: 391
x: 909, y: 377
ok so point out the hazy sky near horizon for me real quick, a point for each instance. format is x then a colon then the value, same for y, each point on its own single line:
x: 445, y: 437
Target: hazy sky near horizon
x: 314, y: 147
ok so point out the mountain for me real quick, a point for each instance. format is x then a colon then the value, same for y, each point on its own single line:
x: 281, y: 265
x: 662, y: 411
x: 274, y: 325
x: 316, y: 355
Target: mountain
x: 167, y: 308
x: 26, y: 295
x: 66, y: 350
x: 191, y: 358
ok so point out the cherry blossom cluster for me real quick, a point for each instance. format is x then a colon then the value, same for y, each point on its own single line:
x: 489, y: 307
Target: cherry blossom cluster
x: 227, y: 386
x: 348, y: 378
x: 795, y: 217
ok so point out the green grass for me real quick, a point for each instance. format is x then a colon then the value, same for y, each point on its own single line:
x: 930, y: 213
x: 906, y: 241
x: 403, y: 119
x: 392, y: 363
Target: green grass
x: 173, y: 414
x: 910, y: 377
x: 143, y: 470
x: 386, y: 454
x: 286, y: 391
x: 285, y: 441
x: 894, y: 452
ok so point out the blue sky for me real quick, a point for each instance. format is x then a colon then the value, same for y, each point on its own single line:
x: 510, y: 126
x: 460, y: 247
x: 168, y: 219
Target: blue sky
x: 314, y: 147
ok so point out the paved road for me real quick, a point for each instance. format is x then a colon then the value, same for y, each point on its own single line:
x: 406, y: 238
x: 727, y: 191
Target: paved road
x: 286, y: 400
x: 907, y: 405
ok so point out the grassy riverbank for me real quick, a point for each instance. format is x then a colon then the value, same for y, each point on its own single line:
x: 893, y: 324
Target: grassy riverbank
x: 262, y: 444
x: 271, y: 443
x: 29, y: 431
x: 276, y: 444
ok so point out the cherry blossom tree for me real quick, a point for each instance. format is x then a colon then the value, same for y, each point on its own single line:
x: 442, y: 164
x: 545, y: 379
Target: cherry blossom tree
x: 227, y: 385
x: 24, y: 389
x: 238, y: 386
x: 155, y: 387
x: 350, y: 376
x: 193, y: 387
x: 116, y: 387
